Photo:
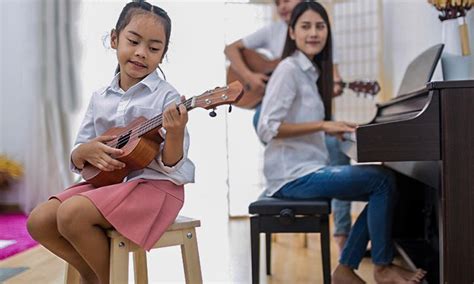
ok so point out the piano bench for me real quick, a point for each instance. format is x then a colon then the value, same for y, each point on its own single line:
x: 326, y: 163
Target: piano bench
x: 275, y: 215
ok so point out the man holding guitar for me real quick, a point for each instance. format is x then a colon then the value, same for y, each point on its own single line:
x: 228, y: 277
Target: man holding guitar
x: 272, y: 39
x: 253, y: 71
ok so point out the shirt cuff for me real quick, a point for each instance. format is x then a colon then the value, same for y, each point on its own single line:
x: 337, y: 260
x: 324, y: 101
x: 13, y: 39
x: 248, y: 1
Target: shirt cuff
x: 269, y: 131
x: 169, y: 169
x: 73, y: 167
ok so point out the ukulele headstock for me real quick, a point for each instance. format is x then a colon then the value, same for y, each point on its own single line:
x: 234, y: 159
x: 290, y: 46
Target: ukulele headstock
x: 227, y: 95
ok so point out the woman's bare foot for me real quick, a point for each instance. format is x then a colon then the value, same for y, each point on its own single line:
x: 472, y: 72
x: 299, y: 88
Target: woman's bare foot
x: 343, y: 274
x: 410, y: 275
x: 395, y: 274
x: 340, y: 241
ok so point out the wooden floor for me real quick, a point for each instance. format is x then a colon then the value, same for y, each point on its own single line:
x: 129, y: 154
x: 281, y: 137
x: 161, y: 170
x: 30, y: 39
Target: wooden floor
x: 224, y: 249
x: 225, y: 258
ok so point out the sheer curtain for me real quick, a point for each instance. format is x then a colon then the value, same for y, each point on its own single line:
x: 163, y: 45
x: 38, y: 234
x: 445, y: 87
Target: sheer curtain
x: 47, y: 171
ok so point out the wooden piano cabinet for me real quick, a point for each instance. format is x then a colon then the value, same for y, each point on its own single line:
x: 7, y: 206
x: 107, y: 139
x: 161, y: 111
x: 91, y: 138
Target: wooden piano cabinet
x: 457, y: 190
x: 428, y: 136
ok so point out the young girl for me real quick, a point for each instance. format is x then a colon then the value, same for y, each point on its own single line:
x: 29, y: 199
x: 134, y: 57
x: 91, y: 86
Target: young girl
x: 296, y: 159
x: 72, y: 224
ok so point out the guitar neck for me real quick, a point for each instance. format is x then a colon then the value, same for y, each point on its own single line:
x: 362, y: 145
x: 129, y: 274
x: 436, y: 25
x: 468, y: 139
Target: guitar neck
x: 365, y: 87
x: 157, y: 121
x: 208, y: 100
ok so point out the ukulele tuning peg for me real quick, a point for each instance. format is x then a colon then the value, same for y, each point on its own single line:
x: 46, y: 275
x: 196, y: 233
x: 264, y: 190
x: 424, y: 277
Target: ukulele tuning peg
x: 230, y: 108
x: 213, y: 113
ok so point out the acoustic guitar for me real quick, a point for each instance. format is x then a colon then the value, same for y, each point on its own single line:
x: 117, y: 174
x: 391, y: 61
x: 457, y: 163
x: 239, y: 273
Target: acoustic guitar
x: 140, y: 140
x: 257, y: 63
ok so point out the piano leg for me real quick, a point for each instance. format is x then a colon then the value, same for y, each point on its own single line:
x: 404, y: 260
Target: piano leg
x: 415, y: 224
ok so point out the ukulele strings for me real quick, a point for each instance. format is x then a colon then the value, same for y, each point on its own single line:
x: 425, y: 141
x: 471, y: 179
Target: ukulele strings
x: 187, y: 103
x: 145, y: 127
x: 152, y: 123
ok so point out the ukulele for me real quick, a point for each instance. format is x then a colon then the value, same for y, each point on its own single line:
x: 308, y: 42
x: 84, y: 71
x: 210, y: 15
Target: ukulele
x: 140, y: 139
x: 259, y: 64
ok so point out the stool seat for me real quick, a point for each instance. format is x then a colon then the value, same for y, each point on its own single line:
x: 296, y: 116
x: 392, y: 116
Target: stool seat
x: 277, y: 215
x: 167, y: 239
x: 267, y: 205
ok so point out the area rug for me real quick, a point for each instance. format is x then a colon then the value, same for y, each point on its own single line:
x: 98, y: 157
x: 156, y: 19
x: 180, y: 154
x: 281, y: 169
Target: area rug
x: 14, y: 237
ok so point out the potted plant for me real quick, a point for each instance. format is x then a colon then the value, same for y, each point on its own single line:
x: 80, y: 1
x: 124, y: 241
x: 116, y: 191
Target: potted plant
x: 456, y: 61
x: 9, y: 171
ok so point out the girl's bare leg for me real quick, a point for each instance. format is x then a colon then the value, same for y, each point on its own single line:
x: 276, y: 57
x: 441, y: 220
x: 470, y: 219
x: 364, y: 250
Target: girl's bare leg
x: 42, y: 226
x: 81, y: 223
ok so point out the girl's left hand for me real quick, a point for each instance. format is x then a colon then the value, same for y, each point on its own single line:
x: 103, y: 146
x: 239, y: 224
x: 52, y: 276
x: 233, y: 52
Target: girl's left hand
x: 175, y: 118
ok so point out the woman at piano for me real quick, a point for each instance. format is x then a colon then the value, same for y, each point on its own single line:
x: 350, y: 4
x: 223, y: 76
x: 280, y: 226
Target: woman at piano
x: 293, y: 123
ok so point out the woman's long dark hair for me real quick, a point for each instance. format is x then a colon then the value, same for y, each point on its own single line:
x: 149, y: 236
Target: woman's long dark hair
x: 140, y: 7
x: 323, y: 60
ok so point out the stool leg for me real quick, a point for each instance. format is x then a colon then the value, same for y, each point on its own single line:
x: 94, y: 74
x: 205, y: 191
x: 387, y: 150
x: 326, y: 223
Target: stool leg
x: 119, y: 248
x: 268, y: 252
x: 255, y: 248
x: 325, y: 249
x: 71, y: 275
x: 274, y: 238
x: 140, y: 267
x: 190, y: 254
x: 305, y: 241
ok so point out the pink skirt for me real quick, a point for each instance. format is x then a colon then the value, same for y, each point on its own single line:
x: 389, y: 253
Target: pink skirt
x: 141, y: 210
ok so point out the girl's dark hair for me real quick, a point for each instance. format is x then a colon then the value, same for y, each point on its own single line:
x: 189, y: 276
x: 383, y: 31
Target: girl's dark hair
x: 323, y: 60
x: 141, y: 7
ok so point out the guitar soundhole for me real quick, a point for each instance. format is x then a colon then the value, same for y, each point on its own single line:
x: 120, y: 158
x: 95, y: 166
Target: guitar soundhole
x: 123, y: 139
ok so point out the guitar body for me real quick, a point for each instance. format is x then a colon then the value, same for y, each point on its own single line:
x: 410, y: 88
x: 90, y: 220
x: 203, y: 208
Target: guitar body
x: 138, y: 153
x: 259, y: 64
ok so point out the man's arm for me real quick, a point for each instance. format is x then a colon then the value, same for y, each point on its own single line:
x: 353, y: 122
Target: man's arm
x: 234, y: 54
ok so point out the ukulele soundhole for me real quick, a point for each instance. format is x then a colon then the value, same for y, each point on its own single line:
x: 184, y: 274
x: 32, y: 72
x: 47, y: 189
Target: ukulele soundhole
x: 123, y: 139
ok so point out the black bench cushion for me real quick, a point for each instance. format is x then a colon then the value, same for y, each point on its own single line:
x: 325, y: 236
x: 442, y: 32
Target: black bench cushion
x: 272, y: 206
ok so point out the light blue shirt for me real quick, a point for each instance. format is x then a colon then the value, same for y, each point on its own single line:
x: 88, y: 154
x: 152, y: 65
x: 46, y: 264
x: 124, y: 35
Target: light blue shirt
x: 291, y: 96
x: 271, y: 37
x: 113, y: 107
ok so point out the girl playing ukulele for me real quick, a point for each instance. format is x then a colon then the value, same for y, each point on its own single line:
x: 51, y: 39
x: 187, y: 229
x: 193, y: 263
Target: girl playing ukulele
x: 72, y: 224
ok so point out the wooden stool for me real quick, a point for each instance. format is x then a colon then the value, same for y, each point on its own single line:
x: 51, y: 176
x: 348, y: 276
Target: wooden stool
x: 182, y: 232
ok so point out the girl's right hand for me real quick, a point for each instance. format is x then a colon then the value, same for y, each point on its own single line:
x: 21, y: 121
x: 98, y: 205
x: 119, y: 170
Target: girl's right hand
x: 338, y: 128
x: 98, y: 154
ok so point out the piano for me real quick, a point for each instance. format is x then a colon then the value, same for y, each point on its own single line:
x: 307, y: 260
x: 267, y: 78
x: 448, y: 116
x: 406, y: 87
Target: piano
x: 427, y: 137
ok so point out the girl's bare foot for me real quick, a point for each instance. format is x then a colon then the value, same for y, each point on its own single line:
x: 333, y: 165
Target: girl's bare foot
x: 343, y: 274
x: 395, y: 274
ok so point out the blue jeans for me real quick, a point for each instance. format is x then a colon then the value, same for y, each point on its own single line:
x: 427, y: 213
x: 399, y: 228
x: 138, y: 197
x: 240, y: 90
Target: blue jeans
x: 341, y: 209
x: 256, y: 116
x: 371, y: 183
